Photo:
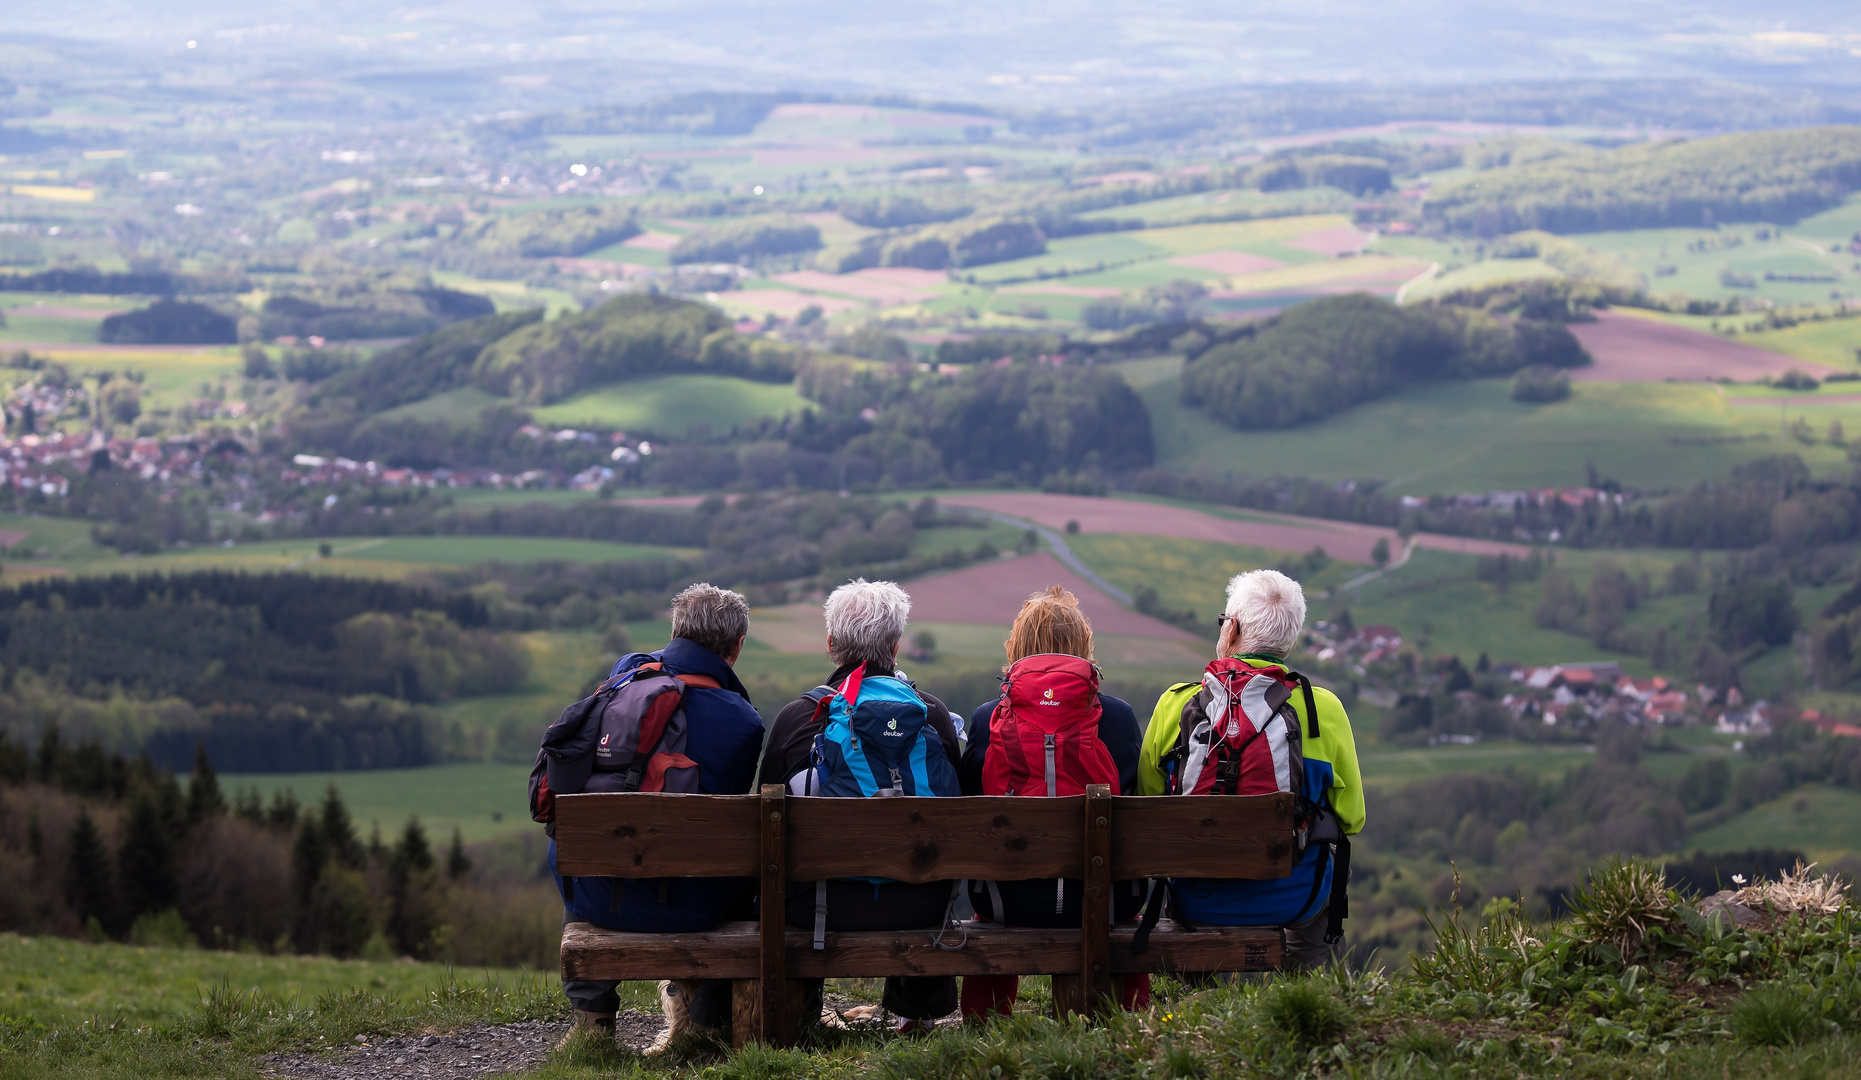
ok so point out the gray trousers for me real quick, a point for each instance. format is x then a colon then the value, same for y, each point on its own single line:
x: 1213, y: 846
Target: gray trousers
x: 710, y: 1006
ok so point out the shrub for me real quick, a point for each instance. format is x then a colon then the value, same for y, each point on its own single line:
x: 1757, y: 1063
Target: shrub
x: 1306, y: 1011
x: 1775, y: 1015
x: 1619, y: 903
x: 1539, y: 383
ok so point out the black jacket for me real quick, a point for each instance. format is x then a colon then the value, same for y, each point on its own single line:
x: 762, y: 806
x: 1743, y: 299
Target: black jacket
x: 791, y: 737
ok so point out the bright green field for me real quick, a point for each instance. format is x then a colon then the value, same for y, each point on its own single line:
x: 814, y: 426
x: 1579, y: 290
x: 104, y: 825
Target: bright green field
x: 392, y: 556
x: 561, y: 663
x: 1181, y: 208
x: 1828, y: 826
x: 1262, y: 237
x: 1189, y: 574
x: 1397, y: 767
x: 59, y: 982
x: 1471, y: 436
x: 455, y: 407
x: 481, y: 799
x: 1481, y: 274
x: 674, y: 404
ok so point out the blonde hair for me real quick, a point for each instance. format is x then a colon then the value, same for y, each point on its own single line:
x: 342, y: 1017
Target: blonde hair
x: 1266, y: 611
x: 1050, y: 622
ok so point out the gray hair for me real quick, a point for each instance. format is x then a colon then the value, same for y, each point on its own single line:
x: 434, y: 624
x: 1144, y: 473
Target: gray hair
x: 715, y: 618
x: 1267, y: 610
x: 866, y: 619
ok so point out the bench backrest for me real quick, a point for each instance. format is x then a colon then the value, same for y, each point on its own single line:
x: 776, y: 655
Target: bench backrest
x: 651, y: 835
x: 777, y: 838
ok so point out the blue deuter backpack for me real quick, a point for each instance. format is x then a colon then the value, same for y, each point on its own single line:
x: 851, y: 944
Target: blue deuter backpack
x: 878, y: 741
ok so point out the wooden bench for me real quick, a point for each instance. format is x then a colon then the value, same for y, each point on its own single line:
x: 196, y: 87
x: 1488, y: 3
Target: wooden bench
x: 778, y: 838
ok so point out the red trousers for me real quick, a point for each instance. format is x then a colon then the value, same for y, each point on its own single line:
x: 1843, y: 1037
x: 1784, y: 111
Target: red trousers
x: 984, y: 995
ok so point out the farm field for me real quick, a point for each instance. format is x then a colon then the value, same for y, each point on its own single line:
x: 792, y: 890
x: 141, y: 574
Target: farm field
x: 1268, y: 238
x: 390, y: 557
x: 1387, y: 767
x: 1629, y: 348
x: 1650, y: 435
x: 481, y: 799
x: 67, y: 983
x: 1823, y: 822
x: 675, y: 404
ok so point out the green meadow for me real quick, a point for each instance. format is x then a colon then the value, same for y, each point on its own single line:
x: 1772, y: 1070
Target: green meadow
x: 66, y: 983
x: 1471, y: 436
x: 382, y: 556
x: 675, y: 404
x: 1823, y: 822
x: 1084, y: 253
x: 480, y: 799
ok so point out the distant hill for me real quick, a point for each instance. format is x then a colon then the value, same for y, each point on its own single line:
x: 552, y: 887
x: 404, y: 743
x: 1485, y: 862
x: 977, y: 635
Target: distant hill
x: 1773, y: 176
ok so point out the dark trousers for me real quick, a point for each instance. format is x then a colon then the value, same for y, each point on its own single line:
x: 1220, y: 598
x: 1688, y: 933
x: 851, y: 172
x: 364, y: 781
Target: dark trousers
x: 854, y: 905
x: 710, y: 1005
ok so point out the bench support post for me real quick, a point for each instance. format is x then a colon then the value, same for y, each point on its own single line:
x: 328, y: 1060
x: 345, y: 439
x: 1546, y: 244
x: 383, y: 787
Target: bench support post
x: 1088, y: 991
x: 773, y: 1023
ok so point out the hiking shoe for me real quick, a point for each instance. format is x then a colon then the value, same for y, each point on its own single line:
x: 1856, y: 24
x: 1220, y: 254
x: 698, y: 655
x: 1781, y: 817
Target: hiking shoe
x: 593, y: 1026
x: 914, y: 1027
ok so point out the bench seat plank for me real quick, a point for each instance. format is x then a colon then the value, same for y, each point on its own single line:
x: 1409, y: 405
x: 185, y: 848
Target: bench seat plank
x: 730, y: 952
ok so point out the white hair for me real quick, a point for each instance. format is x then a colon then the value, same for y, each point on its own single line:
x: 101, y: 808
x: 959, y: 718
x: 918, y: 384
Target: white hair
x: 866, y: 619
x: 1267, y: 610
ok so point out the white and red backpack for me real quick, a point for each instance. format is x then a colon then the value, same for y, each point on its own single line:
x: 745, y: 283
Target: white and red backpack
x: 1241, y: 736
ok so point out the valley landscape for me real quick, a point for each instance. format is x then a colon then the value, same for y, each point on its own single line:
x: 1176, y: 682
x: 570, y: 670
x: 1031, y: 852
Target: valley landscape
x: 368, y: 394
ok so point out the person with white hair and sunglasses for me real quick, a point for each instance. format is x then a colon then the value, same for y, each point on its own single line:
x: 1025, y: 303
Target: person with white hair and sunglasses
x: 1203, y: 740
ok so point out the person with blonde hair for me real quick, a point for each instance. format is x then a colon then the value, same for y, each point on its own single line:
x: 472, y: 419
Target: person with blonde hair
x: 1050, y: 733
x: 1205, y: 737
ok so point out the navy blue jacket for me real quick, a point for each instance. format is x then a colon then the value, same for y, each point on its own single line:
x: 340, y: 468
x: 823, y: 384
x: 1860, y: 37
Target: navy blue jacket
x: 725, y: 738
x: 1118, y: 730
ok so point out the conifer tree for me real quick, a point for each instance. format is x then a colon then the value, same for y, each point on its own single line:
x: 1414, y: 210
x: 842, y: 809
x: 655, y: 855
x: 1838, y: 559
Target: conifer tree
x: 90, y: 887
x: 339, y: 831
x: 146, y: 861
x: 458, y: 864
x: 203, y: 789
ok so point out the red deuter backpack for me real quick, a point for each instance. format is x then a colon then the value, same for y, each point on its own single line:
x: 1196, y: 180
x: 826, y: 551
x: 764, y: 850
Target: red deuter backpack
x: 1044, y: 733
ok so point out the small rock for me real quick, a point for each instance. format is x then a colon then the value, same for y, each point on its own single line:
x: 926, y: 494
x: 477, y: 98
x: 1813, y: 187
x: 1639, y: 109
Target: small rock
x: 1722, y: 902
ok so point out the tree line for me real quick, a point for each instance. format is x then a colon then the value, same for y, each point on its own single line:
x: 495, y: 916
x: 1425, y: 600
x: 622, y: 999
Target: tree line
x: 93, y: 844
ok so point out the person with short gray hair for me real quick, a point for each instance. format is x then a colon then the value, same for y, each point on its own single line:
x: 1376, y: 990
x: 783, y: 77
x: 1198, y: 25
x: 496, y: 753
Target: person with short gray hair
x: 724, y: 733
x: 865, y: 625
x: 715, y: 618
x: 865, y: 622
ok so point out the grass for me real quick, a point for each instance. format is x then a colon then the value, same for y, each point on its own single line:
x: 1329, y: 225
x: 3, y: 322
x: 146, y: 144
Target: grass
x: 1827, y: 825
x: 1647, y: 435
x: 384, y: 557
x: 1389, y: 767
x: 65, y: 983
x: 1481, y: 274
x: 455, y: 407
x: 1083, y: 253
x: 1187, y: 574
x: 935, y: 541
x: 561, y: 663
x: 481, y: 799
x: 676, y: 404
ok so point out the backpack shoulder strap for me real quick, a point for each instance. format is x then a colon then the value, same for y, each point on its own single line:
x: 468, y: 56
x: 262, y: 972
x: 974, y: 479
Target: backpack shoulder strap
x: 1311, y: 703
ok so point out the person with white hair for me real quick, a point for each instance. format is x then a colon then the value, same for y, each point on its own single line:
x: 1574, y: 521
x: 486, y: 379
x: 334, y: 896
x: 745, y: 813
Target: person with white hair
x: 865, y: 626
x: 1256, y: 636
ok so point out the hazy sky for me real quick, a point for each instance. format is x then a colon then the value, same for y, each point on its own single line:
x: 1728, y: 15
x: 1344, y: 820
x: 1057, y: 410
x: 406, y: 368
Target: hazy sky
x: 961, y: 48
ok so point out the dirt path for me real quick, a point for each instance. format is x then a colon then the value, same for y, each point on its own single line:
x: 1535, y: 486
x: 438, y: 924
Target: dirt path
x: 481, y: 1050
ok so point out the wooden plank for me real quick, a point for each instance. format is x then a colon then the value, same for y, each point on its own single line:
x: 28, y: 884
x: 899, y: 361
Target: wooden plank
x: 746, y: 1017
x: 918, y: 840
x: 1212, y: 836
x: 649, y: 835
x: 730, y: 952
x: 773, y: 956
x: 1095, y: 905
x: 1206, y: 948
